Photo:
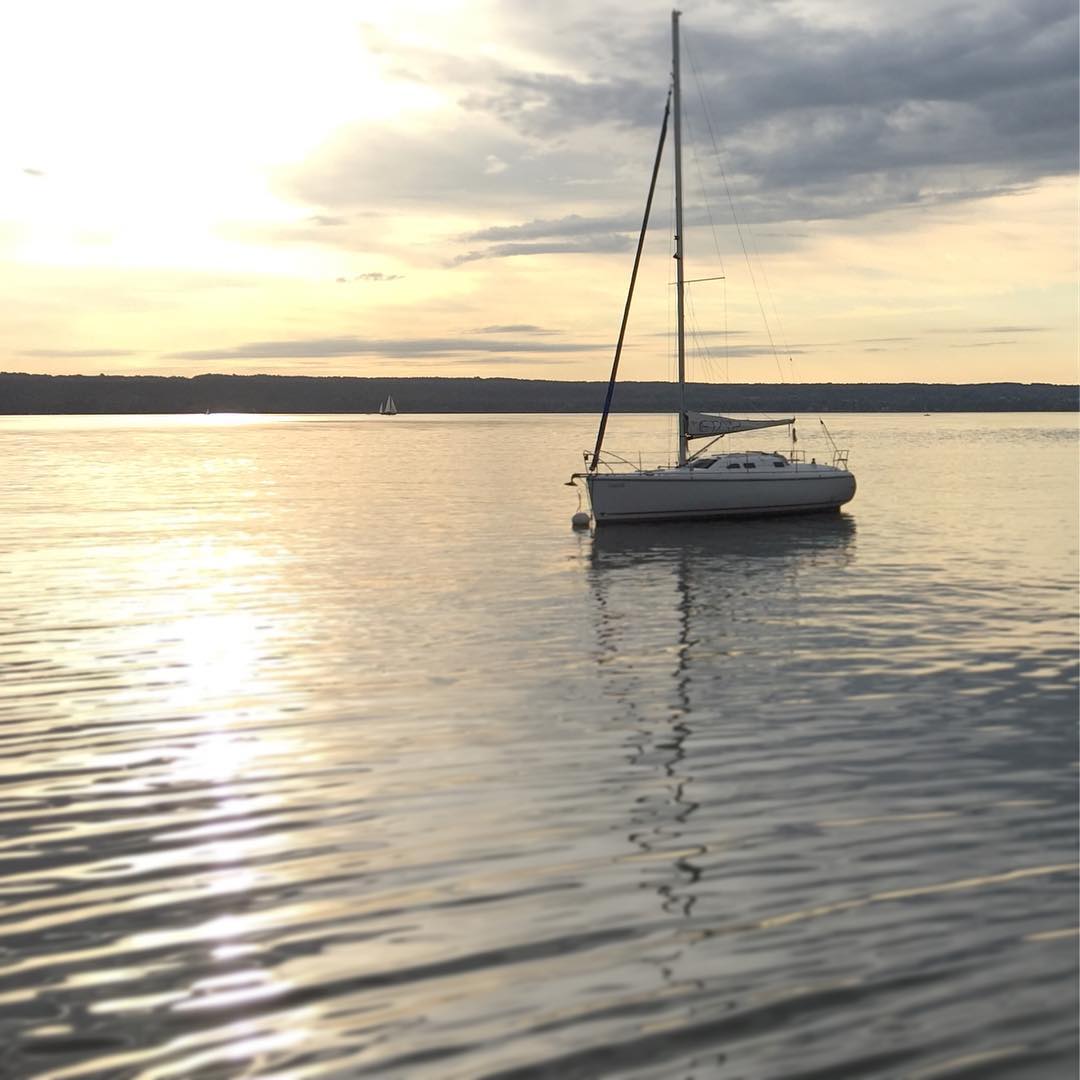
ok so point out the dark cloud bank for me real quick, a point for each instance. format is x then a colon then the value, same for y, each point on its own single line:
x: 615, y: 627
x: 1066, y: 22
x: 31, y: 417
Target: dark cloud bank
x: 387, y: 348
x: 939, y: 103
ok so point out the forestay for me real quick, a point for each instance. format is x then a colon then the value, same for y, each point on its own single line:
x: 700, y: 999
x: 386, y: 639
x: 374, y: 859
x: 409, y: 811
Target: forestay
x: 711, y: 425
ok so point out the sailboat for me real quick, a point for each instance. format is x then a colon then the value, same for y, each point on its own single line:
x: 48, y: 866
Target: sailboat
x: 702, y: 485
x: 388, y: 408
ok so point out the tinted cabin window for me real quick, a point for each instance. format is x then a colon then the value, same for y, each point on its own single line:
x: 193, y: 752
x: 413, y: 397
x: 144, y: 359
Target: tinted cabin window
x: 779, y: 464
x: 749, y: 465
x: 733, y: 466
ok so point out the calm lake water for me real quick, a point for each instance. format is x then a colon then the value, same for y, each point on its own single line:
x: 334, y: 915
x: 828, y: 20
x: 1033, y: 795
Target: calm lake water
x: 329, y: 750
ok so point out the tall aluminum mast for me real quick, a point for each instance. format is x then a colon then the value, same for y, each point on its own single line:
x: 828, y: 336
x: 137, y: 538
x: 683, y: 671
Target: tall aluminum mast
x: 679, y: 277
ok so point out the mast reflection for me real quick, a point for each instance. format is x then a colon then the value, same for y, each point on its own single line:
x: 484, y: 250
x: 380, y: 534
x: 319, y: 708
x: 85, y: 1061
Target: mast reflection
x: 682, y: 612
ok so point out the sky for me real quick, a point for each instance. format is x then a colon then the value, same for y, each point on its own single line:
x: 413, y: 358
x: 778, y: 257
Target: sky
x: 879, y: 192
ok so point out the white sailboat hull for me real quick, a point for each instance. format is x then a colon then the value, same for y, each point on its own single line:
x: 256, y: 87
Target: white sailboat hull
x: 686, y: 493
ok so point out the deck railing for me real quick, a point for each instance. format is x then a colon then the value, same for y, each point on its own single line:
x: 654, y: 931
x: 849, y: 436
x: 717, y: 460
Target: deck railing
x: 798, y: 457
x: 611, y: 461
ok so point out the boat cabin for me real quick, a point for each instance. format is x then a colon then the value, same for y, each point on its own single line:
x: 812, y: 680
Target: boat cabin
x: 753, y: 460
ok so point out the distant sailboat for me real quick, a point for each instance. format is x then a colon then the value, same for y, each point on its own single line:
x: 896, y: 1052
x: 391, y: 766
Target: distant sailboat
x: 388, y: 408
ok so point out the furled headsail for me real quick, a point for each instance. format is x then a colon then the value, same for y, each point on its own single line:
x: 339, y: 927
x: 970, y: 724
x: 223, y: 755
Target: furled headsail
x: 711, y: 425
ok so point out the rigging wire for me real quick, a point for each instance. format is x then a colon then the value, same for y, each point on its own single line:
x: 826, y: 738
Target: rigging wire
x: 700, y: 344
x: 734, y: 215
x: 827, y: 435
x: 742, y: 242
x: 770, y: 293
x: 704, y: 199
x: 698, y: 335
x: 711, y: 369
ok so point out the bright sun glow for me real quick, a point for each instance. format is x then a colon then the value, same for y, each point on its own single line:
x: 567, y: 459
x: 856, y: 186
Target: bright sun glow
x: 143, y: 128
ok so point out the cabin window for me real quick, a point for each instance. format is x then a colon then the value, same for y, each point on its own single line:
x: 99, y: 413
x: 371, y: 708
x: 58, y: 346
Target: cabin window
x: 749, y: 465
x: 733, y: 466
x: 779, y: 464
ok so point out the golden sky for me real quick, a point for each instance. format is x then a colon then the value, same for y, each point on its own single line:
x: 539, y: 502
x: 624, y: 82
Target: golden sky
x: 454, y: 188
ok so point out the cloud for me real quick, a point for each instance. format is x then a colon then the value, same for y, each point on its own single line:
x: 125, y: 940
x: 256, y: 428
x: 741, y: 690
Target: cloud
x: 838, y: 117
x: 376, y: 275
x: 328, y: 219
x: 392, y: 348
x: 795, y: 98
x: 493, y: 361
x: 704, y: 333
x: 585, y: 245
x: 572, y: 234
x: 545, y: 105
x: 571, y: 225
x: 982, y: 344
x: 61, y: 354
x: 957, y: 104
x: 745, y: 352
x: 513, y: 328
x: 33, y: 172
x: 989, y: 330
x: 439, y: 169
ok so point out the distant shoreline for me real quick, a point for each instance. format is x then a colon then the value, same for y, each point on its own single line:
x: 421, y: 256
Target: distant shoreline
x: 26, y: 394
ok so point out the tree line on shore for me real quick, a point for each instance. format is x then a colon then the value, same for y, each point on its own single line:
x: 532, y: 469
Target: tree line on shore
x: 112, y: 394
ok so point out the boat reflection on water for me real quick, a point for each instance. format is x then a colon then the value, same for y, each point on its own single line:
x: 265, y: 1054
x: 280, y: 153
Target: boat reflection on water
x: 722, y: 543
x: 705, y: 617
x: 694, y: 622
x: 700, y: 620
x: 722, y: 604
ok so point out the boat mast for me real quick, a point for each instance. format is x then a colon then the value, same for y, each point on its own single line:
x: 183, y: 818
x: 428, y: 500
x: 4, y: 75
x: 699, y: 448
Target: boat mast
x: 679, y: 277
